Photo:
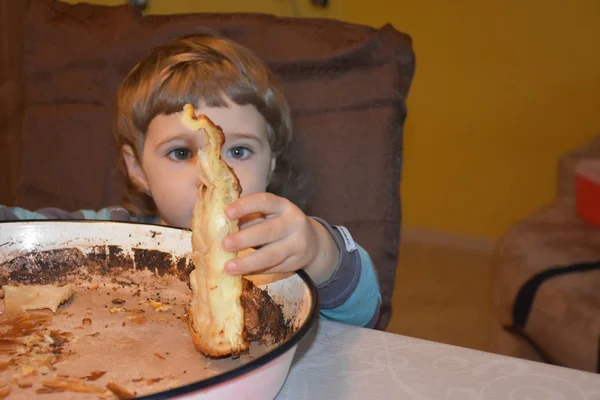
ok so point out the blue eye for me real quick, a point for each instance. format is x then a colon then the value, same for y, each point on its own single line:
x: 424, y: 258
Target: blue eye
x: 180, y: 154
x: 239, y: 153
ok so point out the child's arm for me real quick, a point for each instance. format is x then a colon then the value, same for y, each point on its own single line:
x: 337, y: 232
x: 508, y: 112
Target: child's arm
x: 288, y: 240
x: 105, y: 214
x: 352, y: 294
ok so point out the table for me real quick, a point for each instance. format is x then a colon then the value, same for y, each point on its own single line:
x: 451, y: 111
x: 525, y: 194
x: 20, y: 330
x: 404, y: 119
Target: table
x: 338, y: 361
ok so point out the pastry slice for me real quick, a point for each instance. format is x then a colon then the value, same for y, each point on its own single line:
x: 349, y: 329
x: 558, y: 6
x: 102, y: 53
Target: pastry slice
x: 215, y: 313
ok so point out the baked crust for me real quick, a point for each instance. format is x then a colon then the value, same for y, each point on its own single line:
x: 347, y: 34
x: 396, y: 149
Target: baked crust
x: 215, y: 313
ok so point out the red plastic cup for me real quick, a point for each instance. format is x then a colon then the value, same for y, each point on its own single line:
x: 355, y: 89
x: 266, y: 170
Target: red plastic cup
x: 587, y: 190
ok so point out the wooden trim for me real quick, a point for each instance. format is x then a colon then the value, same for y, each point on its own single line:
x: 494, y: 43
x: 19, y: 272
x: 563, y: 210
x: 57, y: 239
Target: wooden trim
x: 474, y: 244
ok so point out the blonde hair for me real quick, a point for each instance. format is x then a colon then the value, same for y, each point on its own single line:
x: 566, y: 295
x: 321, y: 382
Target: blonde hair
x: 189, y: 69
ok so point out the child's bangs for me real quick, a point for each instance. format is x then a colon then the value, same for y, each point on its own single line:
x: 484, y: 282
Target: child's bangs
x: 195, y: 83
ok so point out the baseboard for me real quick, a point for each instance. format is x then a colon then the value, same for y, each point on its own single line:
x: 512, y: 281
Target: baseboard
x: 457, y: 241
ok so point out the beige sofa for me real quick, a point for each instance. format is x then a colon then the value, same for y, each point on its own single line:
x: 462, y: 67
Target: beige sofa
x: 546, y: 281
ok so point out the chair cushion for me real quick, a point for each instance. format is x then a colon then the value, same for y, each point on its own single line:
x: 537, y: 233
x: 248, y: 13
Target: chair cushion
x: 546, y: 284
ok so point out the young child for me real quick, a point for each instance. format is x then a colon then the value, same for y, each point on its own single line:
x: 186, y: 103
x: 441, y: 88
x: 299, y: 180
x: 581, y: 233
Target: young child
x: 230, y: 85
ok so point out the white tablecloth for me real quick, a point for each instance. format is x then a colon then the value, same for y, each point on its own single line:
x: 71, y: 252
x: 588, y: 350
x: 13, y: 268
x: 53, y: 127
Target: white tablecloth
x: 343, y: 362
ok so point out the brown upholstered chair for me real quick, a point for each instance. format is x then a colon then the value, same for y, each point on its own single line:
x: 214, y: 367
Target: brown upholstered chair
x: 347, y: 86
x: 545, y: 280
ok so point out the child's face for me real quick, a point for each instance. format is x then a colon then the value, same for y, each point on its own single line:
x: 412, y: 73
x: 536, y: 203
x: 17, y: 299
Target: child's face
x: 168, y: 170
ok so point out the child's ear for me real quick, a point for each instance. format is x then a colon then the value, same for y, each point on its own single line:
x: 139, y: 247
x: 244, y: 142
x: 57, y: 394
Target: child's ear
x: 134, y: 169
x: 273, y: 165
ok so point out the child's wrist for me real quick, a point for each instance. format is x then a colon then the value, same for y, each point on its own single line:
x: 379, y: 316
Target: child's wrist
x: 326, y: 257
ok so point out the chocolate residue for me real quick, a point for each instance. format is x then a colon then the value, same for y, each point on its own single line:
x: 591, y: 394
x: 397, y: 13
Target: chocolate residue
x: 153, y: 260
x: 263, y: 318
x: 61, y: 266
x: 162, y: 263
x: 97, y: 256
x: 118, y: 259
x: 185, y: 266
x: 43, y: 267
x: 109, y: 259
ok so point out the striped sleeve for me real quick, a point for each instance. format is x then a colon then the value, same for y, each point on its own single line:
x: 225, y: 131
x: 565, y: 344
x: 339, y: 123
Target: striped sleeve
x: 352, y: 295
x: 360, y: 306
x: 105, y: 214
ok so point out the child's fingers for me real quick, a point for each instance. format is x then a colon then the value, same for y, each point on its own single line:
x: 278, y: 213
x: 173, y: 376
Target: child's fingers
x: 265, y: 203
x: 275, y: 257
x: 251, y: 219
x: 267, y: 231
x: 290, y: 264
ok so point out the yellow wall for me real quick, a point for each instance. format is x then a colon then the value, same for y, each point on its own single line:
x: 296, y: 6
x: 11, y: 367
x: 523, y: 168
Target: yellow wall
x: 302, y: 8
x: 502, y: 89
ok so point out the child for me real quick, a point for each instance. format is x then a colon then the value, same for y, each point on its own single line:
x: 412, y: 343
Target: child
x: 236, y: 91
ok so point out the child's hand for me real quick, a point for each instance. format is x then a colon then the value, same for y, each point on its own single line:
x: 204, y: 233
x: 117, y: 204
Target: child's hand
x: 290, y: 240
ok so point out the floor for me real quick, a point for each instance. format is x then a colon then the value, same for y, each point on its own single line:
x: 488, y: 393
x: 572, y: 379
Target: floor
x: 441, y: 294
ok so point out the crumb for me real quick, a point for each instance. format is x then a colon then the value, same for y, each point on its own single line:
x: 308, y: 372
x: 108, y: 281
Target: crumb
x: 45, y: 390
x: 138, y: 319
x: 120, y: 391
x: 28, y: 370
x: 93, y: 376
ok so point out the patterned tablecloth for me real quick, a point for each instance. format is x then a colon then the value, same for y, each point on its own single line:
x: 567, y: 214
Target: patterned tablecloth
x: 343, y: 362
